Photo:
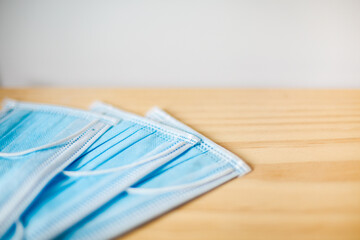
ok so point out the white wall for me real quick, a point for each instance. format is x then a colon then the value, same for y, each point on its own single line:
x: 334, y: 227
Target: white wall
x: 244, y: 43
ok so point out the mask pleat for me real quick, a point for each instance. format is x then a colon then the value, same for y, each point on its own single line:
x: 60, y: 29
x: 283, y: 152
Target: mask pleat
x: 187, y: 156
x: 90, y: 159
x: 97, y: 158
x: 130, y: 151
x: 16, y: 116
x: 36, y: 130
x: 116, y: 132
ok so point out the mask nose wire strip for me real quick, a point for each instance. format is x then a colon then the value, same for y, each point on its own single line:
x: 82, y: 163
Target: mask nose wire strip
x: 180, y: 187
x: 116, y: 169
x: 58, y: 142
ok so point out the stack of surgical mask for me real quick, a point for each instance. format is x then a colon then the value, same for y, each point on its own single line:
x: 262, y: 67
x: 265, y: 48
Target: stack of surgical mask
x: 97, y: 174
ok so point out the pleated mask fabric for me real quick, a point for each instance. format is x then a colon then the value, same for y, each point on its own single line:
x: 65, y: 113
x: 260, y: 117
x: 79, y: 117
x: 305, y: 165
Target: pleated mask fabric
x: 198, y: 170
x: 126, y: 153
x: 37, y: 141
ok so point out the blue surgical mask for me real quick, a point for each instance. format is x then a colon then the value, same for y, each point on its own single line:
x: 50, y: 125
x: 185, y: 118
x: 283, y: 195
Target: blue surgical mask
x: 198, y: 170
x: 36, y: 142
x: 126, y: 153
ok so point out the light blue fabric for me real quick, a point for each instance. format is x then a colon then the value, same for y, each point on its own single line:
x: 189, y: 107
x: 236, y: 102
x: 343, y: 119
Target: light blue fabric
x: 123, y: 155
x: 36, y: 142
x: 196, y: 171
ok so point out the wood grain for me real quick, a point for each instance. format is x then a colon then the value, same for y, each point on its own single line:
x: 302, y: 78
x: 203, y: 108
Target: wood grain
x: 303, y: 145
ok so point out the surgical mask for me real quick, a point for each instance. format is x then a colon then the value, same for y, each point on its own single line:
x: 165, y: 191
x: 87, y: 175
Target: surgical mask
x: 198, y: 170
x: 126, y: 153
x: 36, y: 142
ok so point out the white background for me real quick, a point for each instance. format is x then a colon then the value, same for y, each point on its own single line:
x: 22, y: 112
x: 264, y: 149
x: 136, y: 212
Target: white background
x: 138, y: 43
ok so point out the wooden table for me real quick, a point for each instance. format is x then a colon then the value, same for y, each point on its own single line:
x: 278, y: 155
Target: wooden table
x: 303, y: 145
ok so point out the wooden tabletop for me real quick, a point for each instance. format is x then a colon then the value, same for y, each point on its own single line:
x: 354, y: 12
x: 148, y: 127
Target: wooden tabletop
x: 303, y: 146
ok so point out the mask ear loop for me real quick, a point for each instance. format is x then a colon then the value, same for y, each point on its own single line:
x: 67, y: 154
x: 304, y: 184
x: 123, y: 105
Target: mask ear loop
x: 179, y: 187
x: 53, y: 144
x: 75, y: 173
